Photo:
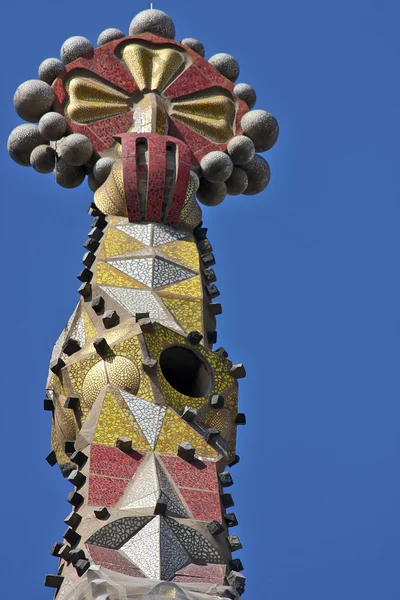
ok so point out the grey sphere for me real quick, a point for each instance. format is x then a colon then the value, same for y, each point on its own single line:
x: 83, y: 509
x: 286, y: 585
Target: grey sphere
x: 211, y: 194
x: 258, y: 173
x: 33, y: 99
x: 226, y: 65
x: 43, y: 159
x: 76, y: 149
x: 75, y: 47
x: 237, y: 182
x: 92, y: 182
x: 216, y: 166
x: 68, y: 176
x: 109, y: 35
x: 241, y: 149
x: 22, y: 140
x: 53, y: 126
x: 261, y: 127
x: 245, y: 92
x: 153, y: 21
x: 50, y: 69
x: 102, y: 169
x: 194, y: 45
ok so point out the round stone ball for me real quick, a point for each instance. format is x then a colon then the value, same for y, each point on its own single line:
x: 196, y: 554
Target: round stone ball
x: 258, y: 174
x: 76, y: 149
x: 194, y: 45
x: 102, y: 169
x: 211, y: 194
x: 33, y: 99
x: 216, y: 166
x: 43, y: 159
x: 93, y: 183
x: 75, y: 47
x: 237, y: 182
x: 50, y: 69
x: 68, y: 176
x: 226, y: 65
x: 245, y: 92
x: 22, y: 140
x: 261, y: 127
x: 240, y: 149
x: 153, y: 21
x: 53, y: 126
x: 109, y: 35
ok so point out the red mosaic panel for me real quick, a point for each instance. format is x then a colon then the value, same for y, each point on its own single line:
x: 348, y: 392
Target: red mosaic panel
x: 189, y: 82
x: 113, y: 560
x: 201, y: 574
x: 105, y: 491
x: 182, y: 182
x: 197, y: 474
x: 204, y: 506
x: 156, y: 177
x: 109, y: 461
x: 195, y: 141
x: 129, y: 173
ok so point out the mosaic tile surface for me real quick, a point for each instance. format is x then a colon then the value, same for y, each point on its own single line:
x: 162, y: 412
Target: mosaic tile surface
x: 117, y: 242
x: 188, y: 313
x: 78, y: 331
x: 138, y: 301
x: 144, y: 549
x: 166, y: 273
x: 196, y: 544
x: 115, y: 534
x: 141, y: 233
x: 191, y: 287
x: 149, y: 416
x: 140, y: 269
x: 164, y: 235
x: 113, y: 560
x: 109, y: 275
x: 184, y: 252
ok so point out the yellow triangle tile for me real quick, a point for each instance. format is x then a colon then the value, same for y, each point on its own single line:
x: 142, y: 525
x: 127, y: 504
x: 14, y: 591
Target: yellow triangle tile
x: 90, y: 329
x: 189, y: 287
x: 108, y: 275
x: 102, y: 252
x: 183, y: 251
x: 117, y: 243
x: 174, y: 431
x: 186, y: 312
x: 113, y: 220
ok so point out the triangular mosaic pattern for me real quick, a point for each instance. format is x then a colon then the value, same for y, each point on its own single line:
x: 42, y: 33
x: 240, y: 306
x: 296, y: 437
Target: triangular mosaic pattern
x: 148, y: 415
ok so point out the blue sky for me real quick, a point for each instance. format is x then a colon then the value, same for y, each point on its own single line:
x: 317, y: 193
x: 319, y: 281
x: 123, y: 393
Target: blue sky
x: 309, y: 281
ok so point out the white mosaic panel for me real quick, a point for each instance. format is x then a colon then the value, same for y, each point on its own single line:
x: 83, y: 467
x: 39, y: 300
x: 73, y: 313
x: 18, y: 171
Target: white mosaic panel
x: 149, y: 416
x: 173, y: 555
x: 166, y: 273
x: 144, y: 549
x: 143, y: 491
x: 78, y: 332
x: 164, y: 234
x: 138, y: 301
x: 140, y: 232
x: 140, y: 269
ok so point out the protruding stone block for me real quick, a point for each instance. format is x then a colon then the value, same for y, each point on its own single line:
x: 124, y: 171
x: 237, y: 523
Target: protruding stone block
x: 215, y: 309
x: 211, y: 434
x: 52, y: 458
x: 102, y: 513
x: 146, y: 325
x: 48, y: 404
x: 194, y: 337
x: 70, y: 347
x: 235, y: 461
x: 222, y: 352
x: 76, y: 554
x: 72, y: 402
x: 64, y: 552
x: 69, y: 447
x: 85, y: 290
x: 98, y: 305
x: 56, y: 366
x: 225, y: 479
x: 55, y: 550
x: 212, y: 337
x: 240, y: 419
x: 77, y: 479
x: 208, y: 260
x: 186, y: 451
x: 212, y: 291
x: 142, y: 315
x: 209, y: 275
x: 100, y: 222
x: 79, y: 458
x: 200, y: 233
x: 149, y: 365
x: 75, y: 499
x: 95, y: 234
x: 216, y: 401
x: 238, y: 371
x: 204, y: 246
x: 227, y: 500
x: 237, y: 581
x: 160, y: 507
x: 71, y: 536
x: 231, y: 520
x: 66, y: 470
x: 82, y: 566
x: 88, y: 259
x: 85, y: 275
x: 124, y: 444
x: 73, y: 519
x: 226, y: 592
x: 215, y: 527
x: 53, y: 581
x: 94, y: 211
x: 91, y: 245
x: 234, y: 543
x: 101, y: 346
x: 189, y: 414
x: 110, y: 319
x: 236, y: 565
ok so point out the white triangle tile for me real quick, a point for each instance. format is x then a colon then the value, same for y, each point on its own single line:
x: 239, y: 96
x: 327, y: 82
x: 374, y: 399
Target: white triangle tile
x: 144, y: 549
x: 140, y: 269
x: 135, y: 301
x: 164, y: 235
x: 166, y: 273
x: 149, y: 416
x: 140, y: 232
x: 172, y: 555
x: 78, y: 331
x: 143, y: 490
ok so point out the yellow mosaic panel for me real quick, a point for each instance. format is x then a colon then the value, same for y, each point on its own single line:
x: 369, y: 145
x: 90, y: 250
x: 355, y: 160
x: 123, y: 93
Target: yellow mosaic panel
x: 117, y: 243
x: 108, y: 275
x: 220, y: 419
x: 152, y: 67
x: 113, y: 220
x: 101, y: 253
x: 114, y: 422
x: 174, y: 431
x: 64, y: 421
x: 188, y: 313
x: 184, y: 252
x: 91, y: 99
x: 90, y: 329
x: 190, y: 287
x: 231, y: 400
x: 62, y: 458
x: 78, y: 371
x: 131, y: 349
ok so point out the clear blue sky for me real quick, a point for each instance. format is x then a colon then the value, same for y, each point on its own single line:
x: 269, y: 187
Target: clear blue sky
x: 309, y: 280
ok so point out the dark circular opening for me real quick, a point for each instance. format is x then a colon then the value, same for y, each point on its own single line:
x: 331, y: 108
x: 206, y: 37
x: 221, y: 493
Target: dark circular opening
x: 186, y: 371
